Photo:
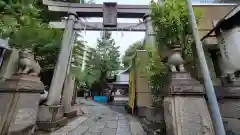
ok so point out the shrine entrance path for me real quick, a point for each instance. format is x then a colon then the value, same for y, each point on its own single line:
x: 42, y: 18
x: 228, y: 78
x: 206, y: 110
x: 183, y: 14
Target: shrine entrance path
x: 100, y: 119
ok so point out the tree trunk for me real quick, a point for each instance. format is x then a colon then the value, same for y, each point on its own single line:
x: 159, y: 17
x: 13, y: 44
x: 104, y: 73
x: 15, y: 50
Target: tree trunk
x: 103, y: 83
x: 74, y: 94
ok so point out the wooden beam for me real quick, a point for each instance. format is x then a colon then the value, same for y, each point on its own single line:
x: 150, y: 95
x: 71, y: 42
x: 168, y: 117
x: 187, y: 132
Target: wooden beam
x: 98, y: 26
x: 98, y: 12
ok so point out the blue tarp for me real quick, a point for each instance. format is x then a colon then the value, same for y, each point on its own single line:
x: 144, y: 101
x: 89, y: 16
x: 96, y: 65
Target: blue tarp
x: 101, y: 99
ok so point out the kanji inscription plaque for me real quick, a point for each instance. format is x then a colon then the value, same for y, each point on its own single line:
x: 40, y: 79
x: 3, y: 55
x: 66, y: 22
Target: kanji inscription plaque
x: 110, y: 14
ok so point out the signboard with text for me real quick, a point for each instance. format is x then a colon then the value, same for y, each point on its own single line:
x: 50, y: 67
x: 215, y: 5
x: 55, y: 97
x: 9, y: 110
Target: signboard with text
x: 110, y: 14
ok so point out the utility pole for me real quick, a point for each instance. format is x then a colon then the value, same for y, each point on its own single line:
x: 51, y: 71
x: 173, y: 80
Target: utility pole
x: 212, y: 100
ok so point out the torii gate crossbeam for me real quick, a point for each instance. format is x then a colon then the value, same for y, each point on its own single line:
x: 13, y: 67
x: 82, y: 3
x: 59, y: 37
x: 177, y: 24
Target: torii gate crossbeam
x: 95, y: 10
x: 98, y: 26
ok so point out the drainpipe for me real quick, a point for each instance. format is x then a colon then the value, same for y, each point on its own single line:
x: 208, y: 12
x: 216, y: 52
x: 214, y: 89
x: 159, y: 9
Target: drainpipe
x: 212, y: 100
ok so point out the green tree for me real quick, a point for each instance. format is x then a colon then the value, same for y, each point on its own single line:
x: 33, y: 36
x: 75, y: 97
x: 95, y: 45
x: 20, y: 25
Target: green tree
x: 25, y: 24
x: 171, y: 25
x: 129, y: 53
x: 105, y: 60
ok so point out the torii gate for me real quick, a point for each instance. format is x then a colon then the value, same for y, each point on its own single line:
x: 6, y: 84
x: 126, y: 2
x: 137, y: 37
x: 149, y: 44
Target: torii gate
x: 109, y: 11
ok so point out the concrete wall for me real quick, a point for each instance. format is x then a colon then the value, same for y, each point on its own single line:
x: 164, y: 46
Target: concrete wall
x: 123, y: 77
x: 211, y: 13
x: 143, y: 92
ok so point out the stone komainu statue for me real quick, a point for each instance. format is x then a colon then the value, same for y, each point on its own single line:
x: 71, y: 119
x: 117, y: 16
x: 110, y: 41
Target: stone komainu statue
x: 27, y: 64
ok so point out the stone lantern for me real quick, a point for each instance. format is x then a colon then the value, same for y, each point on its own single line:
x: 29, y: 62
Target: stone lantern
x: 228, y: 32
x: 228, y: 41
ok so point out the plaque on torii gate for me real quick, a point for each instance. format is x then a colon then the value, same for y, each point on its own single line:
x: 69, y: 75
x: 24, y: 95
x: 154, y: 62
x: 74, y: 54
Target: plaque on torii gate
x: 110, y: 14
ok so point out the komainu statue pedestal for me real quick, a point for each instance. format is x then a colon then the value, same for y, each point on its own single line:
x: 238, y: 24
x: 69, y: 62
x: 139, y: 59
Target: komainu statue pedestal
x: 19, y: 97
x: 229, y: 104
x: 185, y: 108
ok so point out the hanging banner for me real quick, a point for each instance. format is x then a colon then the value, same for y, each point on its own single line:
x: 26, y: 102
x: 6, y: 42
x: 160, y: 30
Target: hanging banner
x: 132, y: 88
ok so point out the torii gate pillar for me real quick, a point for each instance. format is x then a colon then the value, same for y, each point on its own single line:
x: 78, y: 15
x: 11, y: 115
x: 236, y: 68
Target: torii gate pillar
x: 53, y: 112
x: 62, y: 63
x: 149, y: 34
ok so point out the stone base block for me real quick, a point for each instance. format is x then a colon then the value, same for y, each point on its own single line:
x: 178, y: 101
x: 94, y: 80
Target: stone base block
x: 19, y: 97
x: 150, y: 127
x: 231, y: 126
x: 50, y: 118
x: 141, y: 111
x: 23, y: 131
x: 71, y: 114
x: 230, y: 108
x: 227, y: 92
x: 185, y: 108
x: 154, y: 115
x: 187, y: 116
x: 50, y: 113
x: 51, y: 126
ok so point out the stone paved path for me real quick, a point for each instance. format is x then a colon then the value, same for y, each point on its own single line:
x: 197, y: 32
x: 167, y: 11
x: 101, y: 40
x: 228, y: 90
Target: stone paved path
x: 100, y: 119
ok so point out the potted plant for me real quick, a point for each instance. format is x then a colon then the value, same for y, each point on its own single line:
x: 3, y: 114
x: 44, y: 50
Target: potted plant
x: 173, y: 32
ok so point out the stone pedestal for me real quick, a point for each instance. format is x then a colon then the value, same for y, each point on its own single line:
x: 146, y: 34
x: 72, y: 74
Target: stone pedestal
x: 229, y: 103
x: 185, y: 108
x: 50, y: 118
x: 19, y: 97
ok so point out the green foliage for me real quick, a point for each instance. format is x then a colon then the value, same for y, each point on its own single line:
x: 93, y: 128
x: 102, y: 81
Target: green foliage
x: 156, y: 72
x: 108, y: 53
x: 25, y: 24
x: 172, y: 26
x: 129, y: 53
x: 104, y: 62
x: 22, y: 24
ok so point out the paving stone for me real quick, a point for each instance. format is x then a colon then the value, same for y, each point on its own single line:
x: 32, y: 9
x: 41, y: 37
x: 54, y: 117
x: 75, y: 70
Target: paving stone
x: 79, y: 130
x: 96, y: 129
x: 109, y: 131
x: 91, y: 133
x: 114, y: 118
x: 91, y: 120
x: 78, y: 121
x: 112, y: 124
x: 72, y: 125
x: 57, y: 133
x: 136, y: 128
x: 123, y: 127
x: 67, y: 129
x: 123, y: 133
x: 121, y: 118
x: 123, y: 130
x: 100, y: 120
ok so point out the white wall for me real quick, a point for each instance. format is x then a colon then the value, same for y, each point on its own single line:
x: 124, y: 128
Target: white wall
x: 122, y: 78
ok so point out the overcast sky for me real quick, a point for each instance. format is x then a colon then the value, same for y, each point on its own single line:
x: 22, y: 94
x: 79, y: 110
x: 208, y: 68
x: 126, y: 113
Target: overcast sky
x: 123, y: 39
